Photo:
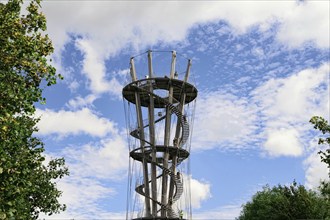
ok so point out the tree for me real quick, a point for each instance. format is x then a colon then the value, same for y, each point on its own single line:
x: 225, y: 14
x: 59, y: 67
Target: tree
x: 285, y: 203
x: 27, y: 185
x: 322, y: 125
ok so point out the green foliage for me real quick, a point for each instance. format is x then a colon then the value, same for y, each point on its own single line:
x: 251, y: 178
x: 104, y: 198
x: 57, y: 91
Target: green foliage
x: 322, y: 125
x: 23, y: 57
x: 27, y: 185
x: 286, y: 203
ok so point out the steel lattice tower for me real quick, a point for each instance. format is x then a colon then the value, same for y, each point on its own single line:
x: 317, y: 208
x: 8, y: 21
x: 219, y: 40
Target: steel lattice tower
x: 158, y: 156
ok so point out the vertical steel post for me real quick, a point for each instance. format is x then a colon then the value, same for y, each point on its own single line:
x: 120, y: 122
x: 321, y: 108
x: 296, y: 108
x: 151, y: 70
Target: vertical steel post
x: 177, y: 133
x: 151, y: 117
x: 167, y: 137
x: 142, y: 143
x: 132, y: 69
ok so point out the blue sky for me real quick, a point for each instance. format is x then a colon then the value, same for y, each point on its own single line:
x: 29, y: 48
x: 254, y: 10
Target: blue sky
x: 261, y: 69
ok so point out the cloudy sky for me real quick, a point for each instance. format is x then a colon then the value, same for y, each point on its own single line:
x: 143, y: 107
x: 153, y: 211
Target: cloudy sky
x: 261, y: 69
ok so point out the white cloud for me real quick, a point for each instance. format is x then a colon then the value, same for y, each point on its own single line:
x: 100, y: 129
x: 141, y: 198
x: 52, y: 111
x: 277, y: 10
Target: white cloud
x: 65, y: 123
x: 118, y: 25
x: 200, y: 191
x: 73, y: 86
x: 297, y: 96
x: 222, y: 118
x: 106, y: 159
x: 80, y: 102
x: 283, y: 142
x: 309, y: 20
x: 95, y: 70
x: 113, y: 25
x: 104, y: 28
x: 315, y: 170
x: 91, y: 168
x: 81, y: 196
x: 287, y: 104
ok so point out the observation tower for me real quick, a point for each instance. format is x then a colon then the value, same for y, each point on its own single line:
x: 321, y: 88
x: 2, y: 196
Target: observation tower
x: 159, y: 109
